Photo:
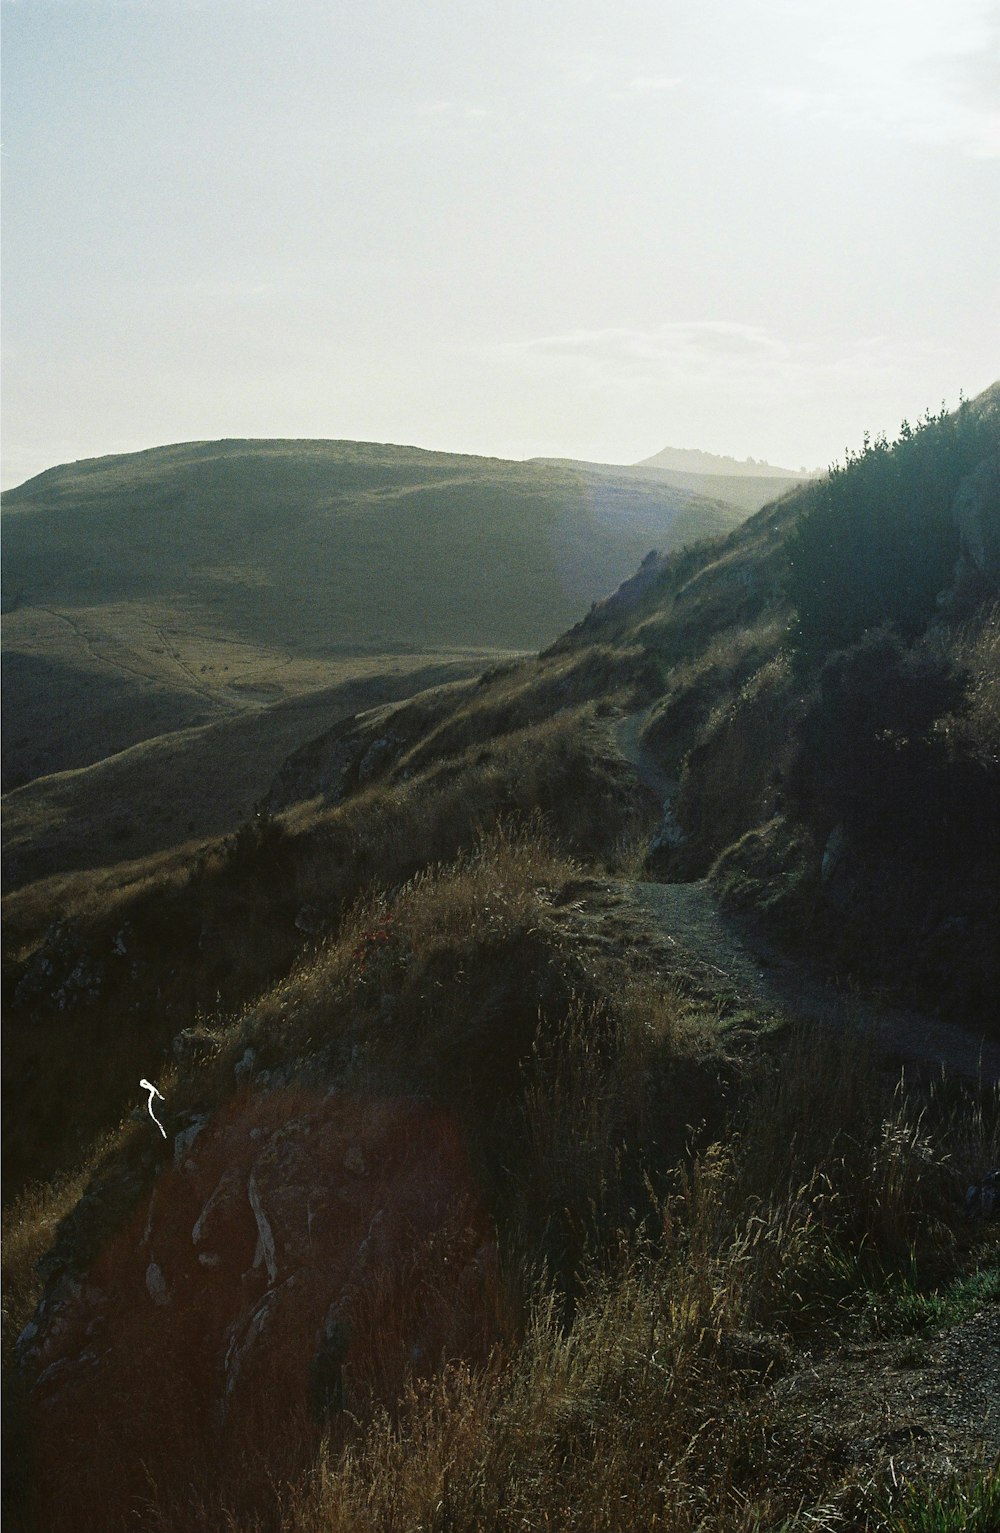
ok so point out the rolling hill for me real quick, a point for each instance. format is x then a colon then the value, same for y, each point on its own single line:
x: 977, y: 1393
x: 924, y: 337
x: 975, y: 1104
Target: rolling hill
x: 193, y: 613
x: 161, y: 590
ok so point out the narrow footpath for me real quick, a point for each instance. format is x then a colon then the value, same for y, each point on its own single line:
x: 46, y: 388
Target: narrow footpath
x: 761, y: 977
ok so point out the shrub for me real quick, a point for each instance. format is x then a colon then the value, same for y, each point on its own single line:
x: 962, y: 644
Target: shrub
x: 868, y: 752
x: 878, y: 541
x: 732, y: 775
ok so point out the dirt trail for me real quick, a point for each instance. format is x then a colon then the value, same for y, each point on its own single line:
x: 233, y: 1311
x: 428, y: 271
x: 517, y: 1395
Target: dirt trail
x: 628, y: 734
x: 757, y: 975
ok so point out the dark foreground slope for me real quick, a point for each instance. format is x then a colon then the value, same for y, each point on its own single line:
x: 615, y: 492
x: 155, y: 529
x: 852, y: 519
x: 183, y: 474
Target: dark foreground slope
x: 480, y: 1202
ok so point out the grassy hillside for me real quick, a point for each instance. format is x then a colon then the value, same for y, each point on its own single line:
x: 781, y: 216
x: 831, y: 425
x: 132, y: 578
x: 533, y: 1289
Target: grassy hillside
x: 164, y: 589
x: 490, y: 1196
x: 696, y: 649
x: 191, y: 783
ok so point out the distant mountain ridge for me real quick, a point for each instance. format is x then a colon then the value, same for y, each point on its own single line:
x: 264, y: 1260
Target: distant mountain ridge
x: 691, y: 460
x: 732, y: 486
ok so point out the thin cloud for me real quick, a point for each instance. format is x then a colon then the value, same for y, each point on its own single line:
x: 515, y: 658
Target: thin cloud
x: 644, y: 85
x: 723, y: 358
x: 661, y: 350
x: 451, y: 111
x: 221, y: 291
x: 917, y: 73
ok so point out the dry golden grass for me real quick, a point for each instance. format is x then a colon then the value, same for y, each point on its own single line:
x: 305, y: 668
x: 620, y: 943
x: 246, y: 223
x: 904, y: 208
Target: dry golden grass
x: 640, y: 1409
x: 707, y: 683
x: 29, y: 1225
x: 732, y: 774
x: 664, y: 1213
x: 207, y: 934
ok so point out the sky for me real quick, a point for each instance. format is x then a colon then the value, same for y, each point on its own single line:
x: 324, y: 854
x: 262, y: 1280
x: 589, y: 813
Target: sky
x: 518, y: 228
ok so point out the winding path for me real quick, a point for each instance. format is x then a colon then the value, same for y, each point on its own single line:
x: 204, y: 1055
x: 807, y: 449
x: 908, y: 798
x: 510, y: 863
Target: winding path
x: 760, y: 976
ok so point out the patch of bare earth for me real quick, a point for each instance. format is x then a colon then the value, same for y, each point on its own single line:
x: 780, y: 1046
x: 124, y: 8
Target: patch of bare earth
x: 889, y: 1412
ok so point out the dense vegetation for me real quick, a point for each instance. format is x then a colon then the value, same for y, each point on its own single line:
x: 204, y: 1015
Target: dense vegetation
x: 694, y: 1261
x: 879, y: 540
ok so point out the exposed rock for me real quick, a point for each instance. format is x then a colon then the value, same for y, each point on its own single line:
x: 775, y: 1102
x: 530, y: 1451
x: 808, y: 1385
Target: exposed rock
x: 833, y: 852
x: 324, y: 767
x: 62, y: 972
x: 63, y: 1368
x: 377, y: 758
x: 156, y: 1284
x: 314, y: 1250
x: 244, y: 1333
x: 186, y: 1138
x: 123, y: 940
x: 310, y: 920
x: 243, y: 1068
x: 220, y: 1191
x: 667, y: 834
x: 976, y: 512
x: 101, y: 1212
x: 326, y: 1390
x: 265, y: 1239
x: 27, y: 1337
x: 982, y: 1201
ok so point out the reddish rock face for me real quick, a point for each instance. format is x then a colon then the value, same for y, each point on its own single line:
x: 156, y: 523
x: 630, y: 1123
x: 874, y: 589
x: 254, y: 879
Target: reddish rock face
x: 305, y: 1256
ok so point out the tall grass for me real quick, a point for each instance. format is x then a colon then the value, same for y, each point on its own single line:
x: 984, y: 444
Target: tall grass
x: 642, y: 1406
x: 208, y: 936
x: 648, y: 1295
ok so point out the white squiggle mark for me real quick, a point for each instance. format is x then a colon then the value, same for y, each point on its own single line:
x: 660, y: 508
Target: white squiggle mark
x: 148, y: 1086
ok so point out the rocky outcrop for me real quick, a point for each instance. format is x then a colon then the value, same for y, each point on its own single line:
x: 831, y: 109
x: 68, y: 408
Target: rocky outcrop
x: 302, y: 1255
x: 352, y: 755
x: 976, y: 512
x: 326, y: 767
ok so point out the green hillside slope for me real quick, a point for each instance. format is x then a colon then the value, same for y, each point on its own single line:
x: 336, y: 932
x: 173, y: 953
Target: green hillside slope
x: 158, y: 590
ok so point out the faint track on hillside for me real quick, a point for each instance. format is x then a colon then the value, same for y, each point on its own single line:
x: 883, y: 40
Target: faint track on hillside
x: 754, y: 974
x: 90, y: 644
x: 158, y: 676
x: 197, y: 685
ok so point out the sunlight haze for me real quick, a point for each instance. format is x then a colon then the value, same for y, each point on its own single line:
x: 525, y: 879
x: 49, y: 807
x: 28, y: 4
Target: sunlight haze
x: 563, y: 229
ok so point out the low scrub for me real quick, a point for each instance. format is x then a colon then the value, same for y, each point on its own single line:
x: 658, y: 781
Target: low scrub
x: 649, y: 1406
x: 204, y: 939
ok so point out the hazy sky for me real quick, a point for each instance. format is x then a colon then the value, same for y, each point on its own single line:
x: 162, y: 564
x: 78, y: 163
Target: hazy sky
x: 529, y: 227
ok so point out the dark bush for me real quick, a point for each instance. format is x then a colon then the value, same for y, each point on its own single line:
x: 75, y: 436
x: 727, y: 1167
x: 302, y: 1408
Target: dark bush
x: 878, y: 542
x: 871, y: 757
